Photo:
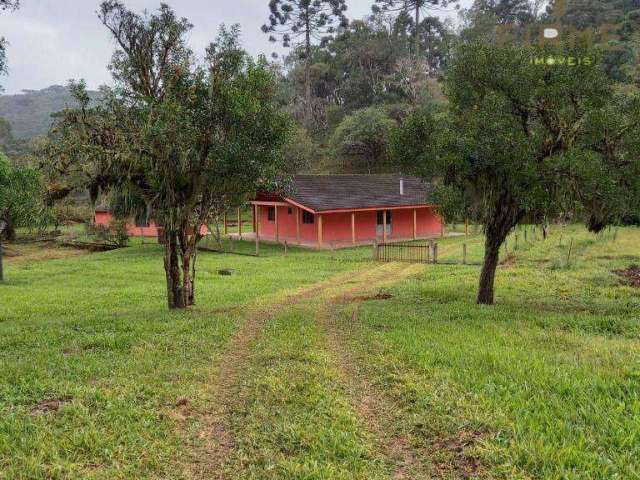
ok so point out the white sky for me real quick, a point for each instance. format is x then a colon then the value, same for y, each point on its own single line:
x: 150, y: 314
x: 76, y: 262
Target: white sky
x: 52, y: 41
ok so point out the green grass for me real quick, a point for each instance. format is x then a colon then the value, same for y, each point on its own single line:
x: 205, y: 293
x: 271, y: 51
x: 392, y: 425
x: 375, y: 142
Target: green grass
x: 545, y: 384
x: 95, y: 330
x: 293, y: 419
x: 551, y: 374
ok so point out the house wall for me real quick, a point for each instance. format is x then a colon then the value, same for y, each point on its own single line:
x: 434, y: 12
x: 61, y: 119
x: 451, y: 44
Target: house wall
x: 401, y: 224
x: 429, y: 222
x: 286, y: 225
x: 149, y: 231
x: 366, y: 226
x: 336, y: 227
x: 104, y: 219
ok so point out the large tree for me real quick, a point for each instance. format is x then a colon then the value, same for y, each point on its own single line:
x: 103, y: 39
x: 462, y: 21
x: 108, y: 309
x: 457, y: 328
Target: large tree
x: 363, y: 135
x: 522, y: 141
x: 367, y: 64
x: 190, y: 139
x: 306, y: 20
x: 509, y: 11
x: 20, y: 201
x: 363, y: 58
x: 415, y: 8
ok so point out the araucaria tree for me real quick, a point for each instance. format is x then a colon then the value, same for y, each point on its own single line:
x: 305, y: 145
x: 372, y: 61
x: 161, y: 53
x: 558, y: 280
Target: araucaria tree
x: 413, y: 8
x: 191, y: 139
x: 305, y: 20
x: 522, y: 140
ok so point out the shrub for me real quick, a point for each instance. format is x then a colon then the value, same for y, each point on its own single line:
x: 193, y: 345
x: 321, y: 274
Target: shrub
x: 113, y: 234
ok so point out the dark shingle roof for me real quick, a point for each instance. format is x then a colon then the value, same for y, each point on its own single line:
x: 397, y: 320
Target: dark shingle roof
x: 334, y: 192
x: 103, y: 207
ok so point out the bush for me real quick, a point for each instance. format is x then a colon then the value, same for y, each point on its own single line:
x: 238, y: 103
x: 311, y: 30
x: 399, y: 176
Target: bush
x: 114, y: 234
x: 119, y: 232
x: 70, y: 210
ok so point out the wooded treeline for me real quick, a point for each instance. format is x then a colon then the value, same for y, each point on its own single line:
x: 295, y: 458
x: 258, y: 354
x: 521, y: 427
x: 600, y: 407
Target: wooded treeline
x: 366, y: 77
x: 374, y: 70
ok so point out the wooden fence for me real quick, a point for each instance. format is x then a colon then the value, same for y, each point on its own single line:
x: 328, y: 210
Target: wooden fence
x: 404, y: 252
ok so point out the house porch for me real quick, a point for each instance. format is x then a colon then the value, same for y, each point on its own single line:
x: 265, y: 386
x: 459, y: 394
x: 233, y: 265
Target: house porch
x: 282, y: 221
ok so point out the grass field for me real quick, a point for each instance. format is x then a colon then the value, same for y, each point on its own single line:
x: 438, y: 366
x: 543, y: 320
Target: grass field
x: 323, y: 365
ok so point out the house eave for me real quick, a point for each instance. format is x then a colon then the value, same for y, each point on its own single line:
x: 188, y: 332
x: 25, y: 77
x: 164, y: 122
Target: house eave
x: 290, y: 202
x: 377, y: 208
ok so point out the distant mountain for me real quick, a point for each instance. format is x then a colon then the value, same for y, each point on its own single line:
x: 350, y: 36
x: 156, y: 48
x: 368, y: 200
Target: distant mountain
x: 29, y: 113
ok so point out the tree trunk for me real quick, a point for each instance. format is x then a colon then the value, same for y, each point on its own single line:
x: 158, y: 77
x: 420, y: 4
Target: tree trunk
x: 1, y: 268
x: 506, y: 216
x: 175, y: 292
x: 416, y: 32
x: 187, y: 283
x: 307, y: 77
x: 488, y: 273
x: 180, y: 266
x: 9, y: 232
x: 3, y: 225
x: 191, y: 297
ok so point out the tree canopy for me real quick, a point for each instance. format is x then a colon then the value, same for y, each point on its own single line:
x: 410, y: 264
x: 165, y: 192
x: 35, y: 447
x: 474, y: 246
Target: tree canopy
x: 20, y: 201
x: 410, y: 10
x: 309, y: 20
x: 20, y: 198
x: 363, y: 135
x: 522, y: 141
x: 190, y: 138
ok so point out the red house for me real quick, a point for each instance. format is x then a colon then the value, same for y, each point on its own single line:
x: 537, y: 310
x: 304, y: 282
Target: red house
x: 341, y: 210
x: 104, y: 217
x: 141, y: 228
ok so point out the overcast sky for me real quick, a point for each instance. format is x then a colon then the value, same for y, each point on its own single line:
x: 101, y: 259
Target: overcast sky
x: 52, y: 41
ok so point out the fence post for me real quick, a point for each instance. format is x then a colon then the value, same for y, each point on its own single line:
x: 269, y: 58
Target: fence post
x: 375, y: 250
x: 464, y: 253
x: 525, y: 234
x: 516, y: 245
x: 285, y: 248
x: 435, y: 253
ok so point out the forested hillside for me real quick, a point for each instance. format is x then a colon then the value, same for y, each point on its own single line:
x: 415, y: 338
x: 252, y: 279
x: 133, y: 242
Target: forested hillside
x: 29, y: 113
x: 350, y: 90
